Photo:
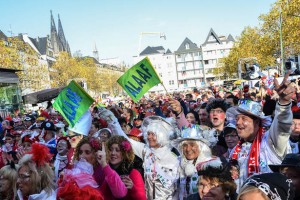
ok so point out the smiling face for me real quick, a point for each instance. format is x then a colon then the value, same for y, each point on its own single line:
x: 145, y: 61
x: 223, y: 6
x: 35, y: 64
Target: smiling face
x: 190, y: 149
x: 152, y: 140
x: 246, y: 127
x: 231, y: 138
x: 62, y: 147
x: 115, y: 155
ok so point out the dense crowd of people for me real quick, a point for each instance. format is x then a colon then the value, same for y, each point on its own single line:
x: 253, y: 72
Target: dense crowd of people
x: 216, y: 143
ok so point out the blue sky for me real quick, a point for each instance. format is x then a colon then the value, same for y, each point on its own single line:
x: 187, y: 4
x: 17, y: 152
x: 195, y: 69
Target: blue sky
x: 114, y: 26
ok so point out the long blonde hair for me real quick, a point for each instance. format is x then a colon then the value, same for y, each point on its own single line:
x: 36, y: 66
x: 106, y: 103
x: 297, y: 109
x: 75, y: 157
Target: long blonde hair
x: 10, y: 173
x: 41, y: 177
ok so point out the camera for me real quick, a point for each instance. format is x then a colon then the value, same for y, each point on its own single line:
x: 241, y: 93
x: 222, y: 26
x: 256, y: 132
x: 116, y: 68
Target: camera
x: 291, y: 65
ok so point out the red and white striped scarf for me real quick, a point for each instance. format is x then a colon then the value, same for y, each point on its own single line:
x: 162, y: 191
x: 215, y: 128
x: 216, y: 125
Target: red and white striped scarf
x: 253, y: 160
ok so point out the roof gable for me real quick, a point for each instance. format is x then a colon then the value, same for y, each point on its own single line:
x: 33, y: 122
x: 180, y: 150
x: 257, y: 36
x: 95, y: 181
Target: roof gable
x: 186, y: 45
x: 230, y: 38
x: 152, y: 50
x: 3, y: 36
x: 212, y: 37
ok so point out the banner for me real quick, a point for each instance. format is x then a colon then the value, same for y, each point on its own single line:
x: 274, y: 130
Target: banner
x: 139, y: 79
x: 72, y: 102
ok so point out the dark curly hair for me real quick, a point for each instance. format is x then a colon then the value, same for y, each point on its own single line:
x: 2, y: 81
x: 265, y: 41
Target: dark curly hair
x: 217, y: 103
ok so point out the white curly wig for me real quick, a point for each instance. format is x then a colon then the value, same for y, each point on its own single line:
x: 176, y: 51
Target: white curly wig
x: 163, y: 130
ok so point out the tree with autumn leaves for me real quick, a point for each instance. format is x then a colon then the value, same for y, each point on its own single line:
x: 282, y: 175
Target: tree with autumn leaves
x: 16, y: 54
x: 97, y: 77
x: 263, y: 42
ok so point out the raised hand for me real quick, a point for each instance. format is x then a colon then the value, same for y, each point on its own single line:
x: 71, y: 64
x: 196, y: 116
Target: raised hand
x: 285, y: 90
x: 175, y: 105
x: 101, y: 156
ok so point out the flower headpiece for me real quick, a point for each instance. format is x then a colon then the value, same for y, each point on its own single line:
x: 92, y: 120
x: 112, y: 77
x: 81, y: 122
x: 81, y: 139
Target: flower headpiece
x: 126, y: 146
x: 95, y: 144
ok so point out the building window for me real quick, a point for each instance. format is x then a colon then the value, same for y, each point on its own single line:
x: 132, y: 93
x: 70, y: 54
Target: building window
x: 187, y: 46
x: 206, y: 62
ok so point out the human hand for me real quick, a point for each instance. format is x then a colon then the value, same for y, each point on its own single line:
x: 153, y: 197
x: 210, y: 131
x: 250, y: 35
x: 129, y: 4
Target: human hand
x: 127, y: 181
x: 175, y: 105
x: 101, y: 156
x: 285, y: 90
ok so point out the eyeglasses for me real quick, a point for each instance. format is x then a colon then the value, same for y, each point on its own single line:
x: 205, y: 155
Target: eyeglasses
x: 209, y: 186
x: 296, y: 124
x: 216, y: 111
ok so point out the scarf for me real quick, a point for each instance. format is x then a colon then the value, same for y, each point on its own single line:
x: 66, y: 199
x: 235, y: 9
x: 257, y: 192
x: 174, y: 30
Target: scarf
x: 123, y: 169
x: 58, y: 160
x: 253, y: 160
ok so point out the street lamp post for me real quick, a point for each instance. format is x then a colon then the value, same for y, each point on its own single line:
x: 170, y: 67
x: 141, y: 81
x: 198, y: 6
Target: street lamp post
x: 281, y: 44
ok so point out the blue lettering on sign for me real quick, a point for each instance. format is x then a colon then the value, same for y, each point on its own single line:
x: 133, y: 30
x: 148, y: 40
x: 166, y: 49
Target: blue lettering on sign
x: 144, y: 76
x: 69, y: 107
x: 132, y: 89
x: 142, y: 66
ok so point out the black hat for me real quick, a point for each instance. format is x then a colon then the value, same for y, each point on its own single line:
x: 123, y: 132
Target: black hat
x: 290, y: 160
x: 29, y: 118
x: 273, y: 185
x: 217, y: 167
x: 49, y: 126
x: 296, y: 115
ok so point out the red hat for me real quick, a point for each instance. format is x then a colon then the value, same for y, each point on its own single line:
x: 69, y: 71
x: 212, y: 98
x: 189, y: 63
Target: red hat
x: 103, y: 123
x: 45, y: 114
x: 135, y: 132
x: 27, y: 139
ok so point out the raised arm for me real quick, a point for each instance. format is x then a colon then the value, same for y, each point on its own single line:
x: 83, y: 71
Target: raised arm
x: 281, y: 127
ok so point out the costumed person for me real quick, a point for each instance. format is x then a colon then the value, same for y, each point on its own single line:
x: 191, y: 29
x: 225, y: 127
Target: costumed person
x: 259, y: 148
x: 78, y: 183
x: 47, y: 136
x: 120, y: 158
x: 161, y: 165
x: 216, y: 110
x: 8, y: 181
x: 35, y: 176
x: 61, y: 159
x: 290, y: 167
x: 87, y: 149
x: 268, y: 186
x: 29, y: 122
x: 104, y: 134
x: 194, y: 146
x: 215, y: 180
x: 231, y: 138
